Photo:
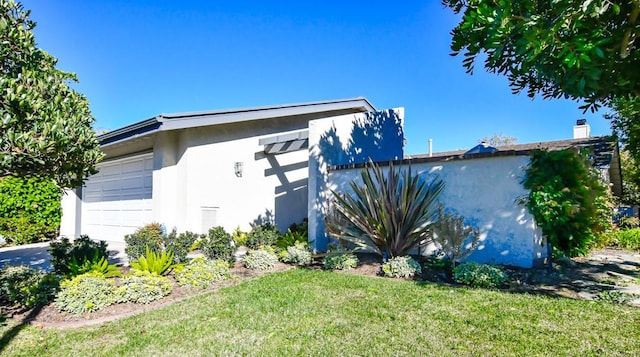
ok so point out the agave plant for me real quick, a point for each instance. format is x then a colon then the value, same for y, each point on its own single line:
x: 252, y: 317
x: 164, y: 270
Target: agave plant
x: 389, y: 215
x: 154, y: 263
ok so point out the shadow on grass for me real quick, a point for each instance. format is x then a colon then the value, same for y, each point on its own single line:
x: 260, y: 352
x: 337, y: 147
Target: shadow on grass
x: 10, y: 334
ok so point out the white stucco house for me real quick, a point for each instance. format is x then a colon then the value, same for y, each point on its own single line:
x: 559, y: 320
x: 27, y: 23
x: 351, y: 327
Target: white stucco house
x: 239, y: 167
x: 193, y: 171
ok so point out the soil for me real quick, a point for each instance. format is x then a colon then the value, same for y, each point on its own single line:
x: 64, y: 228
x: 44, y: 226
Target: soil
x: 578, y: 278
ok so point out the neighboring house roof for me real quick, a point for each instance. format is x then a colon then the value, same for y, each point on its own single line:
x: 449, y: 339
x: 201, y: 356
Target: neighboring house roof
x: 176, y: 121
x: 604, y: 150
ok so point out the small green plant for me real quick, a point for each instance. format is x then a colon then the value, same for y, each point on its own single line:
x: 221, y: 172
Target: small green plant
x: 297, y: 233
x: 401, y: 267
x: 151, y: 236
x: 201, y: 272
x: 26, y: 286
x: 615, y: 297
x: 155, y: 263
x: 452, y: 236
x: 85, y: 293
x: 180, y: 244
x: 625, y: 238
x: 98, y: 265
x: 479, y: 275
x: 260, y: 260
x: 262, y: 236
x: 142, y: 288
x: 340, y: 261
x: 239, y: 236
x: 82, y: 249
x: 299, y: 253
x: 218, y: 245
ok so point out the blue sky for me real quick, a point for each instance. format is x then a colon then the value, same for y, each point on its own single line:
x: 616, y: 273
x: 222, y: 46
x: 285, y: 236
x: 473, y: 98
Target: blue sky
x: 137, y: 59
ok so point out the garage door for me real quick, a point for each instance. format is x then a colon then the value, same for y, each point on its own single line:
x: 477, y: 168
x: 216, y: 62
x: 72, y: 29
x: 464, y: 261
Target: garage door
x: 118, y: 199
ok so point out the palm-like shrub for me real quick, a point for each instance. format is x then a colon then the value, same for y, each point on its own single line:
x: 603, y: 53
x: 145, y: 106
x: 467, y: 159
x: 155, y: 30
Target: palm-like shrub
x: 389, y: 215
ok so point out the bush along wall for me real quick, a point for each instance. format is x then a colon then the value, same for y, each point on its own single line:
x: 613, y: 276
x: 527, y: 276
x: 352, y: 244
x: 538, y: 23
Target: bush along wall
x: 568, y: 200
x: 30, y: 209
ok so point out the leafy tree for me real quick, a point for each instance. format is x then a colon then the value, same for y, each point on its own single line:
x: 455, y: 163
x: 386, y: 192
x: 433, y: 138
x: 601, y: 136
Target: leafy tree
x: 45, y: 125
x: 630, y: 178
x: 499, y: 139
x: 577, y: 49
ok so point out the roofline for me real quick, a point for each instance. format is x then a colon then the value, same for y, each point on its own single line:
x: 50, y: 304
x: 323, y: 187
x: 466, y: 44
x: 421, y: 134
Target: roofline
x: 265, y: 107
x: 174, y: 121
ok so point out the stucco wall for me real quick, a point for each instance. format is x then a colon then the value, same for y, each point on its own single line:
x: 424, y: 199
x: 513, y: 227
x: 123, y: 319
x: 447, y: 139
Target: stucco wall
x: 347, y: 139
x: 195, y: 171
x: 484, y: 191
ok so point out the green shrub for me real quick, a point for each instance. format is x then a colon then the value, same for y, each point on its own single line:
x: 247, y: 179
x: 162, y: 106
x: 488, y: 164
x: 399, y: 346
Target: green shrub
x: 85, y: 293
x: 201, y: 273
x: 218, y: 245
x: 142, y: 288
x: 26, y: 286
x: 82, y: 249
x: 22, y: 231
x: 180, y: 244
x: 151, y: 236
x: 626, y: 222
x: 97, y: 265
x: 626, y: 239
x: 389, y: 214
x: 262, y: 236
x: 260, y: 260
x: 479, y: 275
x: 299, y: 253
x: 154, y: 263
x: 567, y: 199
x: 401, y: 267
x: 239, y: 237
x: 340, y: 261
x: 30, y: 209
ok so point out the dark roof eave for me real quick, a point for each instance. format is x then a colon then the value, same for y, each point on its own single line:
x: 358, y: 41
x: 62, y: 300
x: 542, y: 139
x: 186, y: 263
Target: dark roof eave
x: 195, y: 119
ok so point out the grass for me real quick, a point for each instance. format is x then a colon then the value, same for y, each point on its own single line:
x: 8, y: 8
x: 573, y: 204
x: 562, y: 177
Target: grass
x: 302, y: 312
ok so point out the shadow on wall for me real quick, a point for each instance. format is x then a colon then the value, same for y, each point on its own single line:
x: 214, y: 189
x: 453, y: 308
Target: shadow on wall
x: 264, y: 218
x: 376, y: 136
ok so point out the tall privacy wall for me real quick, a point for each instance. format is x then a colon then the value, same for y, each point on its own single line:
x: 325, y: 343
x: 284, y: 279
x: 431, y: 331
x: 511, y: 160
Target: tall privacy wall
x: 344, y: 140
x: 485, y: 192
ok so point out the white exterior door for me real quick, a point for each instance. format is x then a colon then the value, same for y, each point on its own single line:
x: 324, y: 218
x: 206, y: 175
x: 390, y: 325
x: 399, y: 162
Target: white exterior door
x: 118, y: 199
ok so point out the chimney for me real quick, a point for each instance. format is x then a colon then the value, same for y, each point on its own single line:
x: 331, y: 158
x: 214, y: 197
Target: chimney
x: 430, y: 147
x: 581, y: 130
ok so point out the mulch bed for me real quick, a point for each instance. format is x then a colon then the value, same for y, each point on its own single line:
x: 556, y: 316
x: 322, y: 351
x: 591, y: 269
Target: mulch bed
x: 50, y: 317
x: 564, y: 281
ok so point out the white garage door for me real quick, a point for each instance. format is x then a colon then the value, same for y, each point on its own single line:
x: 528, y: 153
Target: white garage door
x: 117, y: 200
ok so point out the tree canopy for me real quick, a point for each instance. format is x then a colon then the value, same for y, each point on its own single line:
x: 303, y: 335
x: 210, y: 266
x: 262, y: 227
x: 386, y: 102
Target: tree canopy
x: 46, y: 126
x: 576, y: 49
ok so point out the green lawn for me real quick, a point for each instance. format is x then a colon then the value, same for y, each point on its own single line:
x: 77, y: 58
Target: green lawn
x: 301, y: 312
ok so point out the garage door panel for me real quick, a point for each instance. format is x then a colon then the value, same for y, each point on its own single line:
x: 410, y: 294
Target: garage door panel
x: 118, y: 199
